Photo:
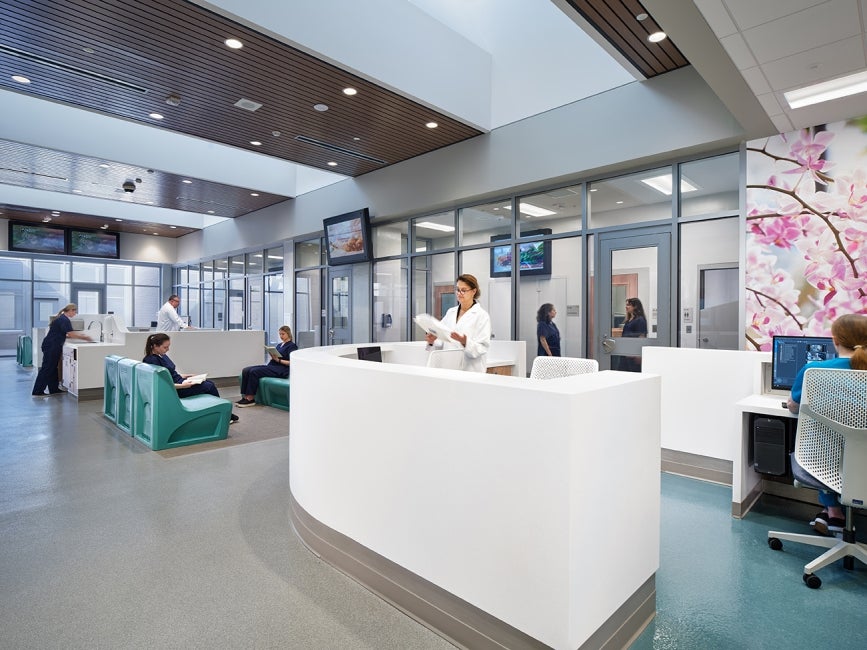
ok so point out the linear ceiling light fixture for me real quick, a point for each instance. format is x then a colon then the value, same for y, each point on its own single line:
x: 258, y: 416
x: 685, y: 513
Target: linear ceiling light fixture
x: 532, y: 210
x: 827, y: 90
x: 663, y: 184
x: 430, y: 225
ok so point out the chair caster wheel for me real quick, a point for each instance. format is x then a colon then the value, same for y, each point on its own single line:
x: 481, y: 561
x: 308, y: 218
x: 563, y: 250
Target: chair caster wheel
x: 812, y: 580
x: 775, y: 543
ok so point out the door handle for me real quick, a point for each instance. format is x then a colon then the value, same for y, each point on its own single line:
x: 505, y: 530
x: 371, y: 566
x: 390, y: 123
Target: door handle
x: 608, y: 345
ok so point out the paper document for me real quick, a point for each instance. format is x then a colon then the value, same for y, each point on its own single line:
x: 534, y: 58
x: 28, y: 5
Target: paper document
x: 433, y: 326
x: 270, y: 349
x: 197, y: 379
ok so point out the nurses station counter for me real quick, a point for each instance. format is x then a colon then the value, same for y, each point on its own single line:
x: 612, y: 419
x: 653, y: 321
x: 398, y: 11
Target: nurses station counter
x: 221, y: 354
x: 499, y: 511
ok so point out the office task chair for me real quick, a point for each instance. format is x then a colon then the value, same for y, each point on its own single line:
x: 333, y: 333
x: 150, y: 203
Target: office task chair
x: 450, y: 358
x: 553, y: 367
x: 831, y: 454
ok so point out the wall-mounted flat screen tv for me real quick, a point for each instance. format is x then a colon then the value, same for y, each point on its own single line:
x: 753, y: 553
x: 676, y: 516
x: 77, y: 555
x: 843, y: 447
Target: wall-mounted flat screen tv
x: 347, y: 238
x: 94, y: 243
x: 37, y: 238
x: 535, y: 257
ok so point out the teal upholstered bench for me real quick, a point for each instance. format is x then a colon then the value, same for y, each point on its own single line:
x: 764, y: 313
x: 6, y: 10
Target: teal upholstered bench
x: 162, y: 420
x: 273, y: 391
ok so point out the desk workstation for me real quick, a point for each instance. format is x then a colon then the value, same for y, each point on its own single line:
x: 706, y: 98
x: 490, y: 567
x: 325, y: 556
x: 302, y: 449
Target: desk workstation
x: 460, y: 496
x: 220, y: 354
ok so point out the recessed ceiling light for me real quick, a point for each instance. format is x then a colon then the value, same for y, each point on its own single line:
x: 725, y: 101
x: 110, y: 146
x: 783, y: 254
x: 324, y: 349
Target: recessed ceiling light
x: 156, y: 233
x: 619, y: 202
x: 46, y: 219
x: 663, y: 184
x: 641, y: 16
x: 356, y: 139
x: 350, y: 91
x: 331, y: 163
x: 320, y: 107
x: 233, y: 43
x: 254, y: 194
x: 104, y: 165
x: 532, y: 210
x: 55, y: 213
x: 431, y: 125
x: 655, y: 37
x: 172, y: 226
x: 210, y: 212
x: 276, y: 134
x: 104, y: 226
x: 118, y: 219
x: 255, y: 143
x: 149, y: 202
x: 156, y: 116
x: 76, y: 191
x: 593, y: 189
x: 430, y: 225
x: 827, y: 90
x: 88, y: 50
x: 186, y: 181
x: 20, y: 79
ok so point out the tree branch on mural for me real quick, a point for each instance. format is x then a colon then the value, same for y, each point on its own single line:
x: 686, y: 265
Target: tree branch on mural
x: 781, y: 305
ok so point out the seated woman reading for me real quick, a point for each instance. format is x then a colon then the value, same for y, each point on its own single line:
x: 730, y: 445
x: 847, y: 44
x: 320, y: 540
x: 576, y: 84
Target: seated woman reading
x: 156, y: 349
x: 278, y: 366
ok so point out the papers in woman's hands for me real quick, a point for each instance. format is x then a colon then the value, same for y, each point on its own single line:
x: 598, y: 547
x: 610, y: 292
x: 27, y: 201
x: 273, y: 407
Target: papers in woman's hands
x: 196, y: 379
x: 270, y: 349
x: 433, y: 326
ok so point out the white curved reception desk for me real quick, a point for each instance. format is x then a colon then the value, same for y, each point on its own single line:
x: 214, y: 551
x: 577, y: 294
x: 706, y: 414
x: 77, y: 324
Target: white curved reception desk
x: 499, y: 511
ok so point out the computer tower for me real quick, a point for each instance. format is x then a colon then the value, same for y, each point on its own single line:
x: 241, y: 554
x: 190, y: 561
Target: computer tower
x: 770, y: 447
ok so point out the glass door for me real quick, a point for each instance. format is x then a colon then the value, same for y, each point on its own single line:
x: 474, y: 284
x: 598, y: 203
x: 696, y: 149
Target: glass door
x: 90, y: 298
x: 339, y: 306
x: 633, y: 278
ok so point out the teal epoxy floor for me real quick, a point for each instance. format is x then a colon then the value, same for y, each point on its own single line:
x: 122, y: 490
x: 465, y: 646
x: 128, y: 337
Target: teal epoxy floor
x: 104, y: 544
x: 720, y: 586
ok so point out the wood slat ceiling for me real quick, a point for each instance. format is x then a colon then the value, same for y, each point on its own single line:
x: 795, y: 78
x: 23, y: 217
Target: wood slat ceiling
x: 90, y: 222
x: 616, y: 21
x: 125, y: 59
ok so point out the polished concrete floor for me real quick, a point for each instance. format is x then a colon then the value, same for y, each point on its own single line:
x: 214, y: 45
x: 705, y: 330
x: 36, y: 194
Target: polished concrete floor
x: 104, y: 544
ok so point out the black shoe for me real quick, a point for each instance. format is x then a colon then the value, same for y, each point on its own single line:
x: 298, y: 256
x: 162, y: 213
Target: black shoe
x: 233, y: 419
x: 35, y: 394
x: 59, y: 391
x: 245, y: 402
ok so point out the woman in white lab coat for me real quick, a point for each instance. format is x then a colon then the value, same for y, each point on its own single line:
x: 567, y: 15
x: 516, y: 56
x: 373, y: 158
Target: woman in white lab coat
x: 469, y: 323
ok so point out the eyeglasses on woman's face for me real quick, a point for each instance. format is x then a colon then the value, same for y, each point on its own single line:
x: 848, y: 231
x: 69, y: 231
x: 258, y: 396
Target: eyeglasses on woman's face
x: 461, y: 291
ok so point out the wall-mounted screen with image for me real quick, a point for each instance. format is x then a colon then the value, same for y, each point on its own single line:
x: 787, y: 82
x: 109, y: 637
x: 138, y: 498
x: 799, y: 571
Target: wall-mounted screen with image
x: 535, y: 257
x: 347, y: 237
x: 37, y: 238
x: 94, y: 243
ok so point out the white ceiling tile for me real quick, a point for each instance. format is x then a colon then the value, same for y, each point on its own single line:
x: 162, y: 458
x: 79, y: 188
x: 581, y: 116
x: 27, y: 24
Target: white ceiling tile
x: 783, y: 123
x: 738, y: 51
x: 756, y: 80
x: 806, y: 30
x: 804, y: 68
x: 717, y: 17
x: 749, y: 13
x: 770, y: 104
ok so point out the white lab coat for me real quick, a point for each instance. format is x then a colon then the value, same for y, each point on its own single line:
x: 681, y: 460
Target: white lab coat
x: 168, y: 319
x: 476, y: 325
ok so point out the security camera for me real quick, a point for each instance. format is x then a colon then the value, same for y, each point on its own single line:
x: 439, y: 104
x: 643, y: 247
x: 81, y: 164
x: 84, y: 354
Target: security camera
x: 128, y: 186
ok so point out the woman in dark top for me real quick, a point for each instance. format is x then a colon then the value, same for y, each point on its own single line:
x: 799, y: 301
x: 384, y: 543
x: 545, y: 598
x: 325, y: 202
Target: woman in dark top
x: 635, y: 326
x: 278, y: 366
x: 156, y: 348
x: 546, y: 332
x: 52, y: 349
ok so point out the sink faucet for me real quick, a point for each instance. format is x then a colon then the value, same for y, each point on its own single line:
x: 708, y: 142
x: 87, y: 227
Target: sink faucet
x: 98, y: 322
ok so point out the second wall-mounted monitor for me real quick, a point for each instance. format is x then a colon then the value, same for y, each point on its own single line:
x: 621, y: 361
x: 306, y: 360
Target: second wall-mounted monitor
x: 94, y: 243
x: 347, y: 238
x: 535, y: 257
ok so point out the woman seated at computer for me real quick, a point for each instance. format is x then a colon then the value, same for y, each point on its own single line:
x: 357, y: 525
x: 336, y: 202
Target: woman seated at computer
x: 156, y: 349
x: 278, y: 366
x: 850, y: 338
x: 469, y: 323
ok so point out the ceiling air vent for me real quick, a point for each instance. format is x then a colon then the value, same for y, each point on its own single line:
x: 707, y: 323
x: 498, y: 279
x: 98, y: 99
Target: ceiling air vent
x: 248, y: 105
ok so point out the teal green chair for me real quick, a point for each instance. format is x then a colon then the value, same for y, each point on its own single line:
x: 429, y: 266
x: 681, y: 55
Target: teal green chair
x: 126, y: 393
x: 109, y: 391
x: 273, y: 391
x: 162, y: 420
x: 24, y: 351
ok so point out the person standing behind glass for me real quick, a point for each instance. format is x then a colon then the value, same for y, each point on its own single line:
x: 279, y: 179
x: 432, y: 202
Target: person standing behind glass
x: 52, y: 349
x: 470, y: 325
x: 547, y: 332
x: 635, y: 326
x: 167, y: 317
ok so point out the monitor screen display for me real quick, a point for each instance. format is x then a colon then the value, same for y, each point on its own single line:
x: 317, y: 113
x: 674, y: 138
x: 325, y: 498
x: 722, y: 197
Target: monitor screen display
x: 35, y: 238
x: 347, y: 237
x: 94, y: 243
x: 791, y: 353
x: 534, y: 257
x: 371, y: 353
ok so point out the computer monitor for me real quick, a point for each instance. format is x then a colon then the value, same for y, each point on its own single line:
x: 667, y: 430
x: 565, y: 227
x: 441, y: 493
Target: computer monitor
x: 791, y: 353
x: 371, y: 353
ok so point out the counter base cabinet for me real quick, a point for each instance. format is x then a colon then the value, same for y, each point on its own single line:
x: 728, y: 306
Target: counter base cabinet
x: 69, y: 370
